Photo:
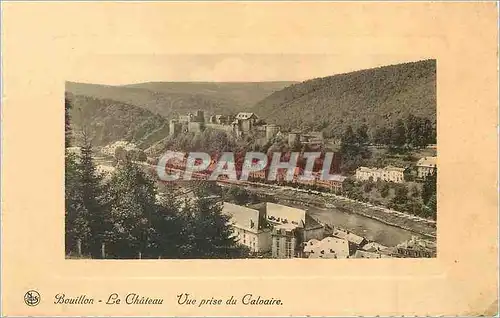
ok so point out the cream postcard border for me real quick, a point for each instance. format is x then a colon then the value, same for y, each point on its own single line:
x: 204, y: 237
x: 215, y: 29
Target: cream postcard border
x: 42, y: 41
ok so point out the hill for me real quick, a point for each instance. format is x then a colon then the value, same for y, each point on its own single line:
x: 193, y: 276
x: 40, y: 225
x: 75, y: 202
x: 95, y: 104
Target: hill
x: 376, y: 97
x: 170, y: 99
x: 107, y: 121
x: 242, y: 95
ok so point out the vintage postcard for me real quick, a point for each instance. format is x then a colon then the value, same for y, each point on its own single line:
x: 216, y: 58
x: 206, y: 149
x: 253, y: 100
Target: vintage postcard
x: 249, y: 159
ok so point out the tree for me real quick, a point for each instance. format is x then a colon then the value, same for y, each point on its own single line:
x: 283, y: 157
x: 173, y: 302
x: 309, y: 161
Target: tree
x: 134, y: 206
x: 168, y: 225
x: 208, y: 232
x: 120, y: 153
x: 432, y: 206
x: 362, y: 134
x: 382, y: 136
x: 352, y: 152
x: 429, y: 188
x: 401, y: 195
x: 348, y: 137
x: 237, y: 195
x: 76, y: 223
x: 399, y: 134
x: 369, y: 185
x: 384, y: 191
x: 85, y: 200
x: 94, y: 200
x: 207, y: 188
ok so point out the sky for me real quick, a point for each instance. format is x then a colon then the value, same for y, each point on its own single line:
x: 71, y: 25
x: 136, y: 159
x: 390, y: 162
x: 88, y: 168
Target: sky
x: 130, y: 69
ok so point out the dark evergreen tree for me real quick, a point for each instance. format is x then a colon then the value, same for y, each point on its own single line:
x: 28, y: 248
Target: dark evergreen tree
x: 348, y: 137
x: 168, y: 228
x: 399, y: 134
x: 382, y: 136
x: 95, y: 201
x: 362, y: 134
x: 76, y: 222
x: 430, y: 187
x: 134, y: 206
x: 209, y: 232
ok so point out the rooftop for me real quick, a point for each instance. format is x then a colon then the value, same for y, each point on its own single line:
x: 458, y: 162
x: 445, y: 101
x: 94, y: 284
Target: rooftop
x: 418, y: 244
x: 243, y: 217
x: 334, y: 177
x: 312, y: 223
x: 395, y: 168
x: 430, y: 162
x: 245, y: 115
x: 329, y: 247
x: 285, y: 214
x: 347, y: 235
x: 388, y: 168
x: 373, y: 247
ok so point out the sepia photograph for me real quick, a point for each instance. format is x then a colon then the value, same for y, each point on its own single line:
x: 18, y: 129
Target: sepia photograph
x: 249, y: 159
x: 192, y: 158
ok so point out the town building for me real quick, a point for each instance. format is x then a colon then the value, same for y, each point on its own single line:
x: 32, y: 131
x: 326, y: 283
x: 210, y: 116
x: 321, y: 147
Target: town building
x: 287, y: 223
x: 389, y: 173
x: 175, y: 127
x: 374, y: 247
x: 184, y: 119
x: 190, y: 122
x: 219, y: 119
x: 335, y: 184
x: 245, y: 121
x: 426, y: 166
x: 312, y: 138
x: 416, y: 248
x: 195, y: 126
x: 329, y: 247
x: 284, y: 241
x: 305, y: 138
x: 355, y: 241
x: 250, y: 227
x: 271, y: 131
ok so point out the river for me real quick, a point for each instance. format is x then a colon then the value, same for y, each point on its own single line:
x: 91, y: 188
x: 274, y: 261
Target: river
x: 366, y: 227
x: 371, y: 229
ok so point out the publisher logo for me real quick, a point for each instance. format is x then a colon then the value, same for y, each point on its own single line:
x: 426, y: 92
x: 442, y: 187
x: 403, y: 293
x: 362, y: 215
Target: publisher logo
x: 32, y: 298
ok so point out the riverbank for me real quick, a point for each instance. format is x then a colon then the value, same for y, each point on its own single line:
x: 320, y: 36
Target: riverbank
x: 423, y: 227
x: 405, y: 221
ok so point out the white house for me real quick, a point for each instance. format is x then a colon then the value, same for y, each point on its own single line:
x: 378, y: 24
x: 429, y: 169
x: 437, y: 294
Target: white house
x: 426, y: 166
x: 249, y: 227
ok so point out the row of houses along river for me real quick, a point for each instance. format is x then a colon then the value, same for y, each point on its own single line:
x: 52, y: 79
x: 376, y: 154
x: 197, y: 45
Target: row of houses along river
x: 369, y: 228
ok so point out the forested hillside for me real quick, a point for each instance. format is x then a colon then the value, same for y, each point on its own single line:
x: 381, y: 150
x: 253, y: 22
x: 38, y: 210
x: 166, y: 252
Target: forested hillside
x: 376, y: 97
x: 107, y: 121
